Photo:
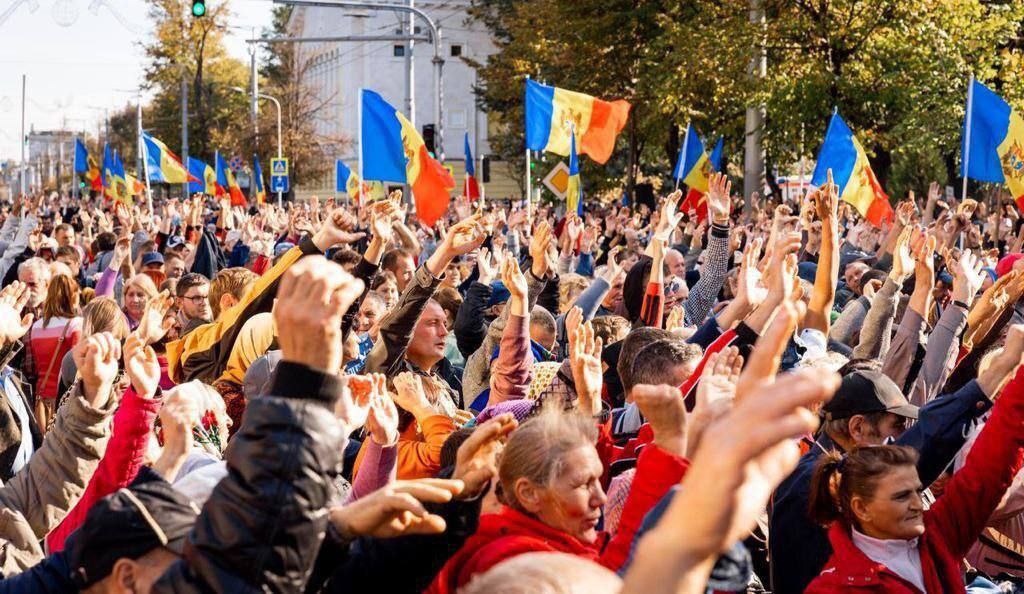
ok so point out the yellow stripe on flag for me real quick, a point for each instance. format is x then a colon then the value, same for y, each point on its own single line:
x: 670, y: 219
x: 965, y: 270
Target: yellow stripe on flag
x: 569, y: 110
x: 697, y: 178
x: 1011, y: 155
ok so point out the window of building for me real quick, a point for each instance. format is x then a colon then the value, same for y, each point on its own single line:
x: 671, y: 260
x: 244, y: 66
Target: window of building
x: 456, y: 51
x: 457, y: 118
x: 398, y: 51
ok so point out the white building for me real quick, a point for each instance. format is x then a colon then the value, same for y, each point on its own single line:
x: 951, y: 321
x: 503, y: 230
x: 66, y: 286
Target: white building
x: 341, y: 68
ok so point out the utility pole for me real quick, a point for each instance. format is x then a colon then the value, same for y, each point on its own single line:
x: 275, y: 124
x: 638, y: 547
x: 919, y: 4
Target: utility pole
x: 753, y: 154
x: 184, y: 108
x: 22, y: 176
x: 410, y: 67
x: 254, y: 82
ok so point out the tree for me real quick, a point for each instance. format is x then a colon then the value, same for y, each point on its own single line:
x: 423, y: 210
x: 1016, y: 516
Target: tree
x: 193, y: 49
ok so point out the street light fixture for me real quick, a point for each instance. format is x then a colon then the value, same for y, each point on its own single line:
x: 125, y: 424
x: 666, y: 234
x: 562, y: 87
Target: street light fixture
x: 277, y: 104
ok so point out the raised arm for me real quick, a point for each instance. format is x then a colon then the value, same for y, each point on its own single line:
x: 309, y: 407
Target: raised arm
x: 875, y: 334
x: 819, y: 308
x: 716, y: 257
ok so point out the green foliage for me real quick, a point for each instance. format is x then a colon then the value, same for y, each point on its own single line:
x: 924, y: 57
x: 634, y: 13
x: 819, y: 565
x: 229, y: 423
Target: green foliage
x: 896, y: 70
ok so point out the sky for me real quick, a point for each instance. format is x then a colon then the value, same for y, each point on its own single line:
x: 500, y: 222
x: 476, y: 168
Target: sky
x: 74, y: 72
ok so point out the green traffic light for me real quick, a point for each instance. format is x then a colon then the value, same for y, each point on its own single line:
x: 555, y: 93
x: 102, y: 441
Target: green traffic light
x: 198, y: 8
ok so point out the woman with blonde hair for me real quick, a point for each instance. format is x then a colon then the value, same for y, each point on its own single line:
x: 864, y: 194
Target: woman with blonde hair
x: 137, y: 292
x: 51, y: 338
x: 102, y: 314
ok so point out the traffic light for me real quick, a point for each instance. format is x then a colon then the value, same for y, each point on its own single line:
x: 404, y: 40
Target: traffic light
x: 429, y: 131
x: 485, y: 169
x: 198, y: 8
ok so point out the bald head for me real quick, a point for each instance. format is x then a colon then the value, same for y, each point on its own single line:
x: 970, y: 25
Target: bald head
x: 676, y: 263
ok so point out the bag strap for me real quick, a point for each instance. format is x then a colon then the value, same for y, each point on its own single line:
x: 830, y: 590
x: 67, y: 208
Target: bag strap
x: 56, y: 351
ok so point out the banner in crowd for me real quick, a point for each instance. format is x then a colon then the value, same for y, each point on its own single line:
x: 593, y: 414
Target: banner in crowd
x: 470, y: 187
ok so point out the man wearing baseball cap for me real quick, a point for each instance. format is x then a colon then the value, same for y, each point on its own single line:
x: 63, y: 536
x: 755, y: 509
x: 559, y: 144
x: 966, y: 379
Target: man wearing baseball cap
x: 868, y: 409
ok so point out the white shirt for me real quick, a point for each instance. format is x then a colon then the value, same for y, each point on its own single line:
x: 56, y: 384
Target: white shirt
x: 17, y: 404
x: 901, y: 557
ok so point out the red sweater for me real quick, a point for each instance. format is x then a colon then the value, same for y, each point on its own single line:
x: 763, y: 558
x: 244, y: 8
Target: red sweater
x: 509, y: 533
x: 120, y: 464
x: 952, y: 524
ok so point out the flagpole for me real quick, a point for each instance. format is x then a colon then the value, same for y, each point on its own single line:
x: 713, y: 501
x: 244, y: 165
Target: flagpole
x: 967, y: 145
x: 682, y: 153
x: 145, y: 160
x: 529, y: 182
x: 359, y: 122
x: 74, y: 174
x: 480, y: 182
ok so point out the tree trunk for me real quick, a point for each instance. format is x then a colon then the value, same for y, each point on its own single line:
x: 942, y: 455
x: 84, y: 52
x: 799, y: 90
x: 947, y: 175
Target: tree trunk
x: 631, y: 172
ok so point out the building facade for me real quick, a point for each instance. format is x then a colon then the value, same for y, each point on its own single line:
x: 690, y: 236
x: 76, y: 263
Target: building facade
x: 337, y: 70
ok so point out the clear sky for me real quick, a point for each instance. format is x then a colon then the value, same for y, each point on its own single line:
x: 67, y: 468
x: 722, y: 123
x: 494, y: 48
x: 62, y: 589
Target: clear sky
x: 76, y: 71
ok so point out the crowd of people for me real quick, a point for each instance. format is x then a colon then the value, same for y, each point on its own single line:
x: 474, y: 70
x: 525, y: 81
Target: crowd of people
x: 331, y: 397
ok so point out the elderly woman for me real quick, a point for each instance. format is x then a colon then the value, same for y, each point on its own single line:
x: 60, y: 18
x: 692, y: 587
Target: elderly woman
x: 549, y: 485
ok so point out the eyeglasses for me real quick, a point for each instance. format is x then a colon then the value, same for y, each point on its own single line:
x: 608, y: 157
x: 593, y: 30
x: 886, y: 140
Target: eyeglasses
x: 196, y: 298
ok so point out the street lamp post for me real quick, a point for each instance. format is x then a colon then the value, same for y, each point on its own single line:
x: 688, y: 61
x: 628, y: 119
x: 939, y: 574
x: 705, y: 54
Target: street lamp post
x: 277, y: 104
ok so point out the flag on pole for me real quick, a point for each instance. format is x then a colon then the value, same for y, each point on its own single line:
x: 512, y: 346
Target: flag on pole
x: 81, y: 157
x: 851, y: 171
x: 693, y: 168
x: 551, y: 113
x: 164, y: 166
x: 346, y: 180
x: 258, y: 190
x: 391, y: 150
x: 94, y: 175
x: 203, y: 177
x: 470, y: 187
x: 992, y: 146
x: 716, y: 155
x: 135, y: 187
x: 226, y: 183
x: 574, y: 189
x: 115, y: 185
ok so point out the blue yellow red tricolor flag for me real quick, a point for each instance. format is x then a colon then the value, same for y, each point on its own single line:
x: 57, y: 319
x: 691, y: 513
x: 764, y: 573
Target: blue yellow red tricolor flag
x: 115, y: 183
x: 203, y: 177
x: 346, y: 180
x: 851, y: 171
x: 992, y: 146
x: 393, y: 151
x: 551, y: 114
x: 470, y: 188
x: 226, y: 183
x: 258, y: 191
x: 164, y: 166
x: 574, y: 189
x: 693, y: 168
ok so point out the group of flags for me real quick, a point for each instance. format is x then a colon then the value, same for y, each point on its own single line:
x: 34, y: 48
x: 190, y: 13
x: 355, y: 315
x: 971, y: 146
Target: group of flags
x: 163, y: 166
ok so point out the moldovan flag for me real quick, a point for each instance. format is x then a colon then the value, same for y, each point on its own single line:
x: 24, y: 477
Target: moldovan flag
x: 346, y: 180
x: 94, y: 175
x: 851, y: 171
x: 81, y: 157
x: 257, y: 181
x: 393, y: 151
x: 164, y: 166
x: 693, y: 168
x: 226, y: 183
x: 992, y: 147
x: 574, y: 189
x: 115, y: 184
x: 135, y: 187
x: 204, y: 178
x: 716, y: 155
x: 470, y: 189
x: 552, y: 112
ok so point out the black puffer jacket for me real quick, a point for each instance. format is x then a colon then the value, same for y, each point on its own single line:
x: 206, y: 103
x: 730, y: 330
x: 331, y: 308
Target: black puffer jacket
x: 262, y: 527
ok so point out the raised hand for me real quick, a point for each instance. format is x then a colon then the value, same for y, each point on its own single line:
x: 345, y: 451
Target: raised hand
x: 476, y: 462
x: 967, y: 277
x: 96, y: 358
x: 514, y: 279
x: 142, y: 366
x: 749, y: 289
x: 902, y: 257
x: 778, y: 275
x: 179, y: 413
x: 487, y: 265
x: 464, y: 237
x: 122, y: 252
x: 411, y: 396
x: 539, y: 243
x: 13, y: 299
x: 716, y: 392
x: 357, y: 396
x: 718, y: 198
x: 1004, y: 364
x: 338, y: 228
x: 382, y: 422
x: 585, y: 361
x: 311, y: 300
x: 664, y: 409
x: 395, y: 510
x: 669, y: 218
x: 154, y: 323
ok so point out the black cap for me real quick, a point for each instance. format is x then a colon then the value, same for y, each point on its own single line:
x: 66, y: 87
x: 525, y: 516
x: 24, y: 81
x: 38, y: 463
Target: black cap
x: 865, y: 392
x: 128, y: 524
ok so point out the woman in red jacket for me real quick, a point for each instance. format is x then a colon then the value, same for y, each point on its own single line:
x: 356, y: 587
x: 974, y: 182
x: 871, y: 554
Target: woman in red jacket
x: 549, y: 484
x: 883, y: 540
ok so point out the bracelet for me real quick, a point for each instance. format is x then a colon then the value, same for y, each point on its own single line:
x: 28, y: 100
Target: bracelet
x: 961, y: 304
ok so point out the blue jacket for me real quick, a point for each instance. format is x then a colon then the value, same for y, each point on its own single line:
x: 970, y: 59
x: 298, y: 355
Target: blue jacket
x: 798, y: 548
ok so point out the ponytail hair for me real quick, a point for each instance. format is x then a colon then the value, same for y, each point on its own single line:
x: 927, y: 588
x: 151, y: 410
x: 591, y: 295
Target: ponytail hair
x: 838, y: 479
